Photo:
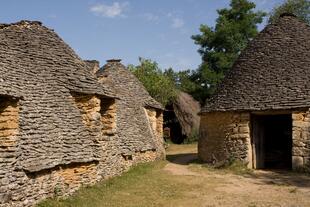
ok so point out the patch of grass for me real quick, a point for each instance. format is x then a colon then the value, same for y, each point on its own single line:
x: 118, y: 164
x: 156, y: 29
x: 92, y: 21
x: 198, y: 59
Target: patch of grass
x: 143, y: 185
x: 252, y: 205
x: 182, y: 148
x: 293, y: 190
x: 238, y: 167
x: 235, y: 167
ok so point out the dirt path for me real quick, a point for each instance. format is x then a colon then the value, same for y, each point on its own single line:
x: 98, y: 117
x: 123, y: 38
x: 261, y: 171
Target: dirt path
x: 182, y: 182
x: 219, y: 188
x: 179, y: 165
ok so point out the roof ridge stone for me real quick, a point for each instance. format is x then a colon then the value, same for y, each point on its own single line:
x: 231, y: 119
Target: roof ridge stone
x: 21, y: 22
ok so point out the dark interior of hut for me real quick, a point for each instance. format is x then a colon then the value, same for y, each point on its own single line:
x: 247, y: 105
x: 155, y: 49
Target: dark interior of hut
x: 172, y: 127
x: 272, y: 139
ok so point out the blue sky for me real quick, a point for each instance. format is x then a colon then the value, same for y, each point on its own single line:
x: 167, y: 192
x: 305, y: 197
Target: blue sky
x: 105, y: 29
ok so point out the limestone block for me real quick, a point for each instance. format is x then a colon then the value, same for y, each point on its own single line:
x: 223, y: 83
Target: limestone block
x: 298, y: 143
x: 244, y: 129
x: 296, y: 134
x: 298, y: 116
x: 300, y: 124
x: 298, y: 151
x: 239, y: 136
x: 235, y: 130
x: 297, y: 162
x: 305, y: 135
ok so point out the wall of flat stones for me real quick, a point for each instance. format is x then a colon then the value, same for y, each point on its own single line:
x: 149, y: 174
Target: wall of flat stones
x: 225, y: 136
x: 301, y: 140
x: 139, y: 129
x: 156, y: 120
x: 9, y: 116
x: 26, y: 189
x: 99, y: 115
x: 22, y: 188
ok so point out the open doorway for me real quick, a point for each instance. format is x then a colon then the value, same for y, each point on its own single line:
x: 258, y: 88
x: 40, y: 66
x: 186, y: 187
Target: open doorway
x: 272, y: 141
x: 172, y: 123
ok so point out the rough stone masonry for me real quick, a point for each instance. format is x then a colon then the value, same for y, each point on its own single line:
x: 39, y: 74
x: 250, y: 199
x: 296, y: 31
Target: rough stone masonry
x: 270, y: 78
x: 60, y: 127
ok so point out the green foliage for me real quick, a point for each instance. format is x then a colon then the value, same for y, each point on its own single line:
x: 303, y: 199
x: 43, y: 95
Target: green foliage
x: 193, y: 137
x: 220, y: 46
x: 159, y: 86
x: 300, y: 8
x: 183, y: 81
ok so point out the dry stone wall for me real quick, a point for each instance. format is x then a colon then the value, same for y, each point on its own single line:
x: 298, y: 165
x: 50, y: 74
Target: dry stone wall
x: 9, y: 117
x: 59, y: 128
x: 21, y: 188
x: 156, y: 119
x: 139, y: 116
x: 225, y: 136
x: 301, y: 140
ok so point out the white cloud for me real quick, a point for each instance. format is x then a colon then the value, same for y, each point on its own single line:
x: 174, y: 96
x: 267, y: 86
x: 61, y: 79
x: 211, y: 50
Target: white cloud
x: 110, y: 11
x: 177, y: 23
x: 151, y: 17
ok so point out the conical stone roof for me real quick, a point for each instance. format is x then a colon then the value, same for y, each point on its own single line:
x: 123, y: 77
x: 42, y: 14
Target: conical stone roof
x: 40, y: 68
x: 273, y: 72
x: 132, y: 123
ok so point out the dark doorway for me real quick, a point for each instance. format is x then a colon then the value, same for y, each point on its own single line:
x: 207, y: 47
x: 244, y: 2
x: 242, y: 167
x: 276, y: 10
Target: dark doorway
x: 272, y: 141
x: 171, y: 122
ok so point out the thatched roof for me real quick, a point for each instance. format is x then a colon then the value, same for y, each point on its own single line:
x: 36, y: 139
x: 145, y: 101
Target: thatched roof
x: 133, y: 127
x: 272, y: 73
x: 186, y: 109
x: 37, y: 65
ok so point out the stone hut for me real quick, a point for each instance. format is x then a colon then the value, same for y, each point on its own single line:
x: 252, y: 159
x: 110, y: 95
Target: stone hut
x: 139, y: 116
x: 58, y: 125
x: 260, y: 113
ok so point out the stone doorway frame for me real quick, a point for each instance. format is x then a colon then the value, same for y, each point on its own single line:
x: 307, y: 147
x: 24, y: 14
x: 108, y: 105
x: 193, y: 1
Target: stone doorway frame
x: 258, y: 137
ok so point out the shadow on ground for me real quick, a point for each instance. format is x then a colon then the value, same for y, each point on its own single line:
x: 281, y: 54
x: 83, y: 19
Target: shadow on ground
x: 277, y: 177
x: 183, y: 159
x: 271, y: 177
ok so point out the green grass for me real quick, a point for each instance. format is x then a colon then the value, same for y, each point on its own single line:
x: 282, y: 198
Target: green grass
x: 151, y: 184
x: 143, y: 185
x: 234, y: 167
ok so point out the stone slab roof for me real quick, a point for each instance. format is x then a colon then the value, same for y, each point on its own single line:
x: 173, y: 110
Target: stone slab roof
x: 272, y: 73
x: 132, y: 124
x: 37, y: 65
x: 129, y: 83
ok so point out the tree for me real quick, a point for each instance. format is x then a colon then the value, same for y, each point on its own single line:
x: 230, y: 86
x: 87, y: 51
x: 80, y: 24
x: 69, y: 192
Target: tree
x: 173, y: 76
x: 159, y: 86
x: 300, y: 8
x: 184, y: 81
x: 220, y: 46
